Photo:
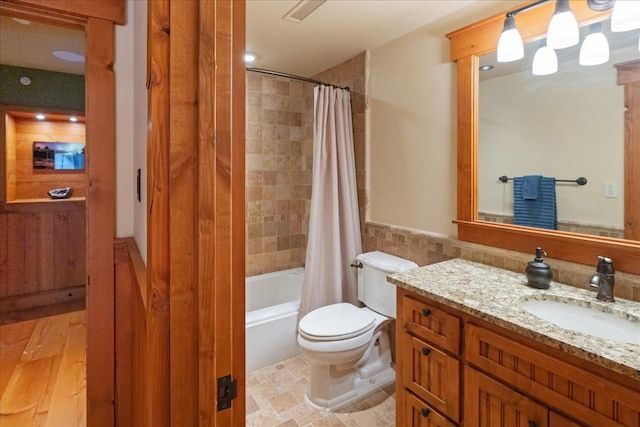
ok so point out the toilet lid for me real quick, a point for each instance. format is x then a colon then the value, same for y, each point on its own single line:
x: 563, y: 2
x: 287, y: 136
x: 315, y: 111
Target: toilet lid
x: 336, y: 321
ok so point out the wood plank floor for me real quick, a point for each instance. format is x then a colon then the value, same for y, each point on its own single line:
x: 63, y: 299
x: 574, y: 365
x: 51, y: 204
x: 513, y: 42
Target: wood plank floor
x: 43, y: 372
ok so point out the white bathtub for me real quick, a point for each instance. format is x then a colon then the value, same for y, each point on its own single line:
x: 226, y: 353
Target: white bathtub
x: 272, y: 303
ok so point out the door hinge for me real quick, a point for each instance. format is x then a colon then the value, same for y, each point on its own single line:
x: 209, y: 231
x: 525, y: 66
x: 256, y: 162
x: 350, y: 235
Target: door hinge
x: 227, y: 391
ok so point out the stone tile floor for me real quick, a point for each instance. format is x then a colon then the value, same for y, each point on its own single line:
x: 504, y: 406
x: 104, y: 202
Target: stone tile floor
x: 275, y: 398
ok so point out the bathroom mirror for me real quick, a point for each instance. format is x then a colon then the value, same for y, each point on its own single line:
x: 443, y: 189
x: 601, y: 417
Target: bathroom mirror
x: 566, y: 125
x: 468, y: 45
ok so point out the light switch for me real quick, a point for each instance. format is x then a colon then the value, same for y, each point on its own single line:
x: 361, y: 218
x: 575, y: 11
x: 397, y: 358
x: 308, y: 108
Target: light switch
x: 611, y: 189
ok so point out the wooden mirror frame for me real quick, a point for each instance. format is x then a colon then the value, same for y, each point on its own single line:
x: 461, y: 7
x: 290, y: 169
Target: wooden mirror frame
x: 97, y: 18
x: 467, y: 45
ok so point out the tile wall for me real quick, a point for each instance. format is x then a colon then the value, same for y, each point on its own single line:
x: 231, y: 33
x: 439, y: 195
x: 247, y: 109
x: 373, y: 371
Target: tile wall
x: 275, y: 173
x: 279, y: 161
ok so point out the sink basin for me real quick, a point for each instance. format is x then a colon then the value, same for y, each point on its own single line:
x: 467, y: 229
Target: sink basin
x: 571, y: 315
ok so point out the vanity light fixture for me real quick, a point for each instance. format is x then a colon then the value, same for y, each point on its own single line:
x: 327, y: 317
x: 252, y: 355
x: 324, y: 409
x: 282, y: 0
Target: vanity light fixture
x: 564, y: 32
x: 625, y: 15
x: 545, y: 61
x: 595, y: 47
x: 563, y: 29
x: 510, y: 45
x: 40, y: 116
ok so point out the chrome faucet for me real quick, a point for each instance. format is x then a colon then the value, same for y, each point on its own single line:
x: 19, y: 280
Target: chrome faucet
x: 604, y: 279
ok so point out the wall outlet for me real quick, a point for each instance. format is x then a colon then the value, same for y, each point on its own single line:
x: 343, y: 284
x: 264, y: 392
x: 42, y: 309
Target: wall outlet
x: 611, y: 189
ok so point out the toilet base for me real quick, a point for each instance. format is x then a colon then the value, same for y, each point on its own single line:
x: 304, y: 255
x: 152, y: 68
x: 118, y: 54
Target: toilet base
x: 363, y: 387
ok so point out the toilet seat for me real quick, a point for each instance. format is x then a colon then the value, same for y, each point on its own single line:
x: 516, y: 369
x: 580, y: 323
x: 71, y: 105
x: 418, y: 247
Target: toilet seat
x: 336, y: 322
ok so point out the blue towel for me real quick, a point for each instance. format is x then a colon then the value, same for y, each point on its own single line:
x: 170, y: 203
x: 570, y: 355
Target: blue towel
x: 530, y: 185
x: 541, y: 212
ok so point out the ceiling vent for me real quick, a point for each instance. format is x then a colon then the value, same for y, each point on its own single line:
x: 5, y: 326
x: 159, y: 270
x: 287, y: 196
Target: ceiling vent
x: 303, y: 9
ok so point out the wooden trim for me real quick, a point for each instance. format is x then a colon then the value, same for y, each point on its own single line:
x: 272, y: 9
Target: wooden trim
x: 467, y: 131
x: 110, y: 10
x: 221, y: 207
x: 124, y: 336
x: 183, y: 213
x: 480, y: 38
x: 157, y: 403
x: 130, y: 341
x: 100, y: 154
x: 41, y: 299
x: 628, y: 72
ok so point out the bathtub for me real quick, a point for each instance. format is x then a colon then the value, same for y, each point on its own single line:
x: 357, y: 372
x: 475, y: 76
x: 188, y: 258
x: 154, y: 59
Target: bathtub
x: 272, y: 303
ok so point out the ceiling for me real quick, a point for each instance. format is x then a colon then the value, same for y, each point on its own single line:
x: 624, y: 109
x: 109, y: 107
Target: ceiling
x: 32, y: 46
x: 337, y: 31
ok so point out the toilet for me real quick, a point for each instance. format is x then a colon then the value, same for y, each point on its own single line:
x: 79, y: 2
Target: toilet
x: 348, y: 347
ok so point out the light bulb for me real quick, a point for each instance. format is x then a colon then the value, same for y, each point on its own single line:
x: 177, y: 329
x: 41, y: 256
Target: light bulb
x: 545, y: 61
x: 510, y: 45
x: 249, y: 57
x: 595, y: 47
x: 563, y: 29
x: 625, y: 15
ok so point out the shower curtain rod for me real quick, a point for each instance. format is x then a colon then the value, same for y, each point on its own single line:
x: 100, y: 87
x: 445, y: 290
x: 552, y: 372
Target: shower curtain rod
x: 292, y: 76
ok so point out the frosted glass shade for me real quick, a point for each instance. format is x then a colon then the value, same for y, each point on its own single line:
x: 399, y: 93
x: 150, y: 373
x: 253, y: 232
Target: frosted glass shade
x: 625, y: 15
x: 545, y: 61
x: 510, y: 45
x: 563, y: 29
x: 594, y: 50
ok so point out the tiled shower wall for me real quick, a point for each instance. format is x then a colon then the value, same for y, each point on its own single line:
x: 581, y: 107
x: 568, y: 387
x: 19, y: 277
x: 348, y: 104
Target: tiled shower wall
x: 275, y: 173
x: 279, y: 161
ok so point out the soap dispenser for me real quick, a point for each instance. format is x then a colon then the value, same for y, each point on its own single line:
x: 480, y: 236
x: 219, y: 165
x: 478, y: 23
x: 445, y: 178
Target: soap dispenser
x: 538, y: 272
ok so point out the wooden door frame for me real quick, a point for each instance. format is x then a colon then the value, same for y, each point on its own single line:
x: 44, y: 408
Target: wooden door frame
x: 98, y: 18
x: 196, y: 221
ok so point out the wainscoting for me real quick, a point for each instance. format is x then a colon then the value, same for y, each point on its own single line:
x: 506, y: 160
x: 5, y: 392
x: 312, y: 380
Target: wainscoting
x: 42, y: 254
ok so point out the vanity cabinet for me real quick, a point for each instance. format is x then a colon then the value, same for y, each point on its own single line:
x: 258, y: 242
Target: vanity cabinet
x: 491, y: 404
x: 457, y: 369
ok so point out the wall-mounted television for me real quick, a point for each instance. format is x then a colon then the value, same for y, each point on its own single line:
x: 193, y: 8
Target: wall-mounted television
x: 58, y: 155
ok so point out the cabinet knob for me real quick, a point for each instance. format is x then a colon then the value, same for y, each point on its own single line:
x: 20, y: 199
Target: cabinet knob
x: 426, y: 312
x: 532, y: 423
x: 425, y: 412
x: 426, y: 351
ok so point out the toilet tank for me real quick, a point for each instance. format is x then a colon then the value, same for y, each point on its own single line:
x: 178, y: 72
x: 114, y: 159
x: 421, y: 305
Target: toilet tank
x: 373, y: 289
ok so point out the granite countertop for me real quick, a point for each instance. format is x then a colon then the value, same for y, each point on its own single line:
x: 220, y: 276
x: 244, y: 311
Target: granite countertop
x: 494, y: 295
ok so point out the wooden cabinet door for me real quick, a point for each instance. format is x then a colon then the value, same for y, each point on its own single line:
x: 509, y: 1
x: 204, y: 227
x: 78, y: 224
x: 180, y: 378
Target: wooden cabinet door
x: 490, y: 404
x: 432, y: 375
x: 419, y: 414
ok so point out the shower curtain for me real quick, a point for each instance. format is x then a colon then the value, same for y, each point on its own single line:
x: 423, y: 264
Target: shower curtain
x: 334, y: 223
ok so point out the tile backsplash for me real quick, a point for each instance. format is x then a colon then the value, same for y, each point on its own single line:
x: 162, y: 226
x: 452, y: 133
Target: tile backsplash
x: 426, y: 248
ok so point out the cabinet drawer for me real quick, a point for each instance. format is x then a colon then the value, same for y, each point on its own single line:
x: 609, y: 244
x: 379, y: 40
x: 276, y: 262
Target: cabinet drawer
x: 490, y: 404
x: 432, y: 375
x: 584, y: 396
x: 431, y: 324
x: 419, y: 414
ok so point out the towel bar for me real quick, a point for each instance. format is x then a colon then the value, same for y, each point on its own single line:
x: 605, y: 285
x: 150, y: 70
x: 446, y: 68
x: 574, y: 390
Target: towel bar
x: 580, y: 181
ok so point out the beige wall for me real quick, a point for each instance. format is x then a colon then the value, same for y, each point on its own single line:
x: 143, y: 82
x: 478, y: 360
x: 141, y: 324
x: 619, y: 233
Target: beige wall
x: 139, y: 19
x: 413, y: 126
x: 125, y: 180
